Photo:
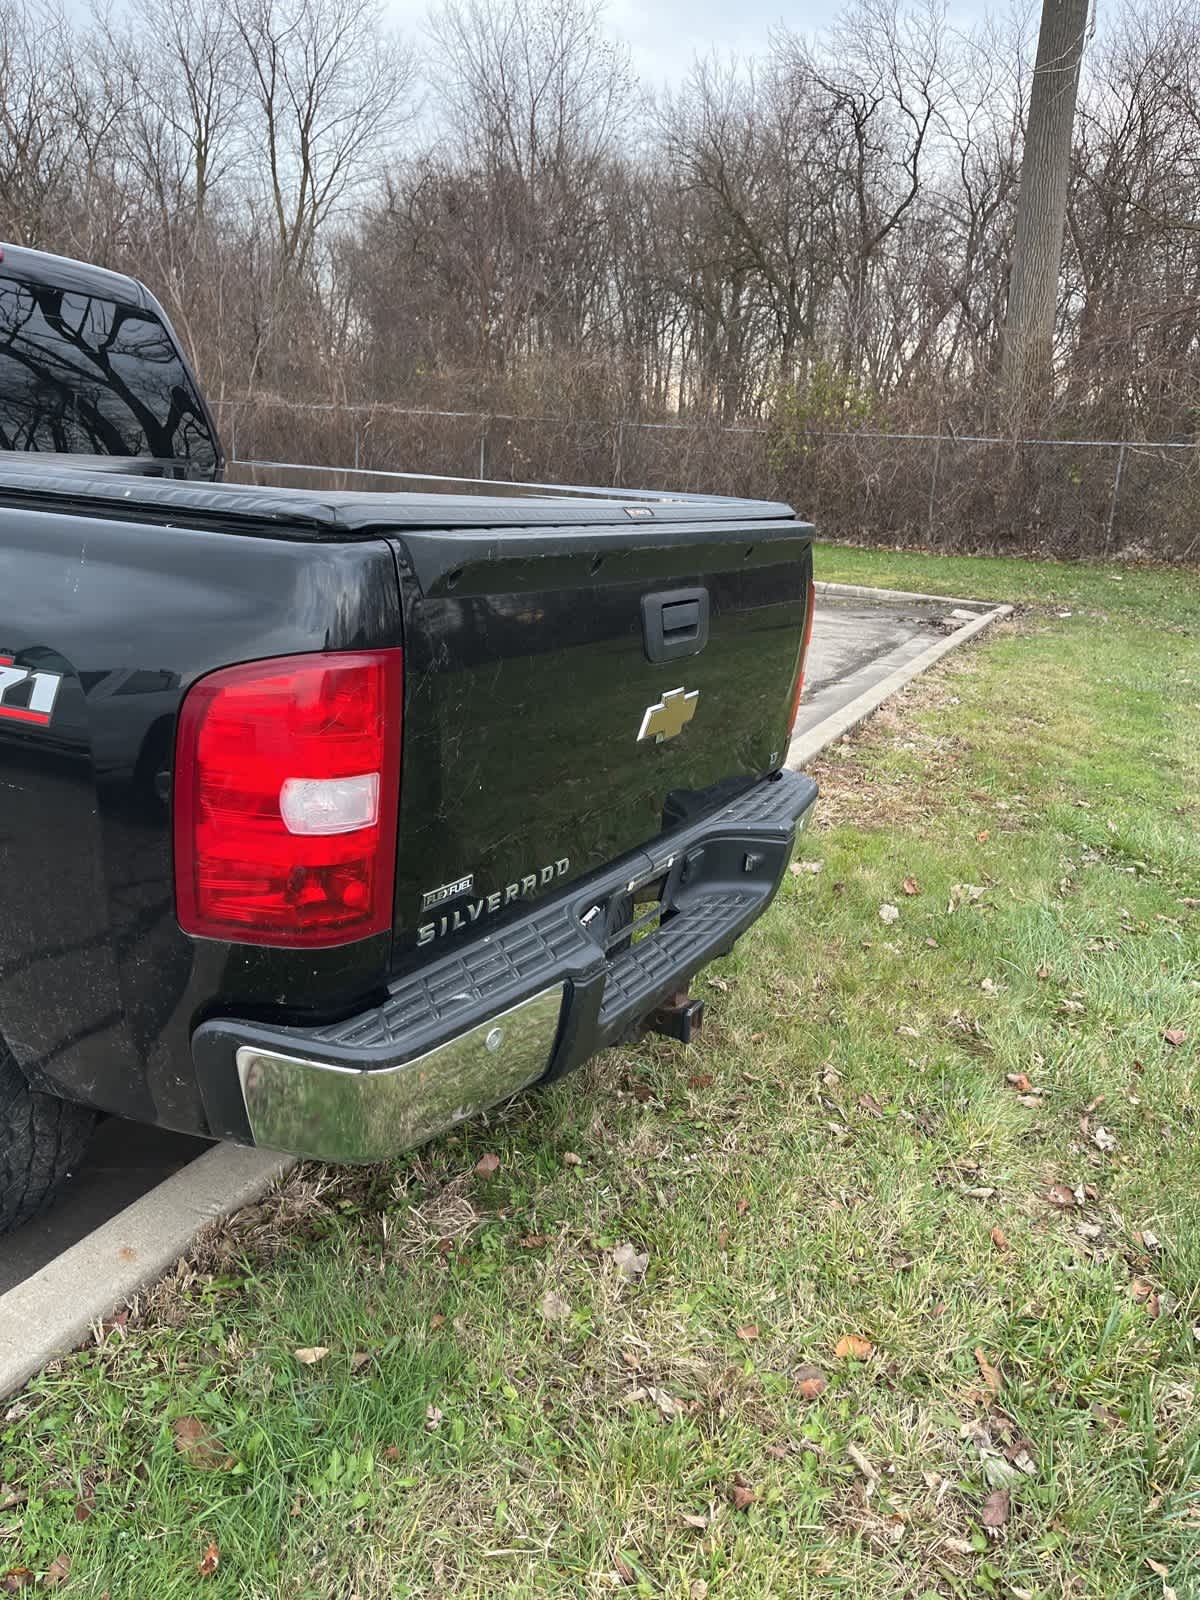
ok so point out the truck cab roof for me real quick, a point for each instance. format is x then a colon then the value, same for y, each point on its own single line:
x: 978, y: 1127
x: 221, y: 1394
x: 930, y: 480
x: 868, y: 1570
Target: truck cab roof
x: 72, y: 277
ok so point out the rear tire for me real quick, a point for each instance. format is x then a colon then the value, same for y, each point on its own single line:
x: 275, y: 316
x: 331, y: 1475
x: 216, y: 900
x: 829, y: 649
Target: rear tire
x: 42, y: 1139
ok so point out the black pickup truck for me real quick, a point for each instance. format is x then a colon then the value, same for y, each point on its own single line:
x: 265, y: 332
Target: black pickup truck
x: 328, y: 819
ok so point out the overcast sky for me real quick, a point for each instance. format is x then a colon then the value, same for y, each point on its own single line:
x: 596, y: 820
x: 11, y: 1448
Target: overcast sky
x: 665, y: 36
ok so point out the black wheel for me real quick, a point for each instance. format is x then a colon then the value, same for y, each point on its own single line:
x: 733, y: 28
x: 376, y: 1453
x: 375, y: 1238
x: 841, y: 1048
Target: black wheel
x: 41, y: 1141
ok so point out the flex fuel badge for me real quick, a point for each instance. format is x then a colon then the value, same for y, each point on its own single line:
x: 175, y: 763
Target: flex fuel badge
x: 27, y: 696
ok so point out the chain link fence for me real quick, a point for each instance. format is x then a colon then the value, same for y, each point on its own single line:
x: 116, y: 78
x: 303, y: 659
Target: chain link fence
x: 1055, y: 497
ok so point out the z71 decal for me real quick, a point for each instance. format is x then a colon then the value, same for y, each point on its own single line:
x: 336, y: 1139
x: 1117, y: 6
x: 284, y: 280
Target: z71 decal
x: 41, y: 691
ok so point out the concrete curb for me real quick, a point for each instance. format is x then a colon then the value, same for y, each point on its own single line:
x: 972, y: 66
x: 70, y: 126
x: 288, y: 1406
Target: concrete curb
x: 863, y: 591
x: 52, y: 1312
x: 810, y: 745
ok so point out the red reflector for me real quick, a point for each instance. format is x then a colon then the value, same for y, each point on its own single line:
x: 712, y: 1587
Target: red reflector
x: 258, y: 744
x: 803, y: 657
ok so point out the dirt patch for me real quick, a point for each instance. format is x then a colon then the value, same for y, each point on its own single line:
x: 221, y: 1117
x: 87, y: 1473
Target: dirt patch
x: 853, y: 788
x: 856, y: 790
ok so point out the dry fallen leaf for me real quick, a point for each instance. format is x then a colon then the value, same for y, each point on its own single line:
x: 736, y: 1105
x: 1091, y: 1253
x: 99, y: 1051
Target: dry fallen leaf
x: 209, y: 1561
x: 665, y: 1402
x: 433, y: 1418
x: 868, y: 1468
x: 742, y: 1496
x: 311, y: 1354
x: 487, y: 1166
x: 1103, y: 1139
x: 199, y: 1446
x: 359, y: 1360
x: 628, y: 1262
x: 16, y: 1578
x: 622, y: 1569
x: 889, y: 913
x: 811, y: 1382
x: 554, y: 1307
x: 995, y: 1509
x: 1019, y: 1081
x: 1158, y: 1568
x: 990, y: 1374
x: 851, y: 1347
x: 1145, y: 1294
x: 911, y: 886
x: 1175, y: 1036
x: 999, y: 1240
x: 1060, y: 1195
x: 691, y: 1521
x: 983, y: 835
x: 748, y: 1332
x: 57, y: 1572
x: 534, y: 1241
x: 700, y: 1080
x: 436, y: 1321
x: 570, y: 1159
x: 963, y: 893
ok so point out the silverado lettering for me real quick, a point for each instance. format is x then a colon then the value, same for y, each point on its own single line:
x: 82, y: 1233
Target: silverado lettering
x: 282, y: 714
x: 463, y: 916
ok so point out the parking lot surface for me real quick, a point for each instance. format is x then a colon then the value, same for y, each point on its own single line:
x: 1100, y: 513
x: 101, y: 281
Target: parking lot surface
x: 858, y: 642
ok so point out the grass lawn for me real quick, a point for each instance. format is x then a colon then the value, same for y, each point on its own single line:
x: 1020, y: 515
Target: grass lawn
x: 907, y: 1245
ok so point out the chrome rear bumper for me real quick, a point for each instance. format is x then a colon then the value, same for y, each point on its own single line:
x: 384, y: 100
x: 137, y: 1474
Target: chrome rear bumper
x: 311, y: 1108
x: 519, y: 1004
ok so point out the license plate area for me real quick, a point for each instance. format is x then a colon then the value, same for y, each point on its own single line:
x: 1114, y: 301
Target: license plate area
x: 634, y: 914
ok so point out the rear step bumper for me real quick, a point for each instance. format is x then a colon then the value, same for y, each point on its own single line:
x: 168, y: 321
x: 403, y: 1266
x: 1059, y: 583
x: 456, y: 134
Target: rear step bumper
x: 521, y: 1005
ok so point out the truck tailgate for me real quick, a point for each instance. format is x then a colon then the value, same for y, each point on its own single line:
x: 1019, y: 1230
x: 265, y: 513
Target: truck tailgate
x: 573, y: 695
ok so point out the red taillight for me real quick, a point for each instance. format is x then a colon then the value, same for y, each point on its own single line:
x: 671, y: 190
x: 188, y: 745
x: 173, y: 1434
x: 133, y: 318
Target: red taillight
x: 804, y: 644
x: 287, y: 782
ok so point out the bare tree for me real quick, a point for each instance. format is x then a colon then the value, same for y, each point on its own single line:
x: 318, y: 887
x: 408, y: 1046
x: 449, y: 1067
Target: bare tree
x: 536, y: 95
x: 328, y: 87
x: 186, y: 85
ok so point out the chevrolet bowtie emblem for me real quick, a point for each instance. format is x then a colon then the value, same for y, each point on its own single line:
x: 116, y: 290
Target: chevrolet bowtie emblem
x: 670, y: 715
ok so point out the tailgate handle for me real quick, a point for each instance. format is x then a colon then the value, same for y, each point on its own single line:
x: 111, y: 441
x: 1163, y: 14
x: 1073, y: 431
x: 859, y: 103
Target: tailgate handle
x: 675, y: 623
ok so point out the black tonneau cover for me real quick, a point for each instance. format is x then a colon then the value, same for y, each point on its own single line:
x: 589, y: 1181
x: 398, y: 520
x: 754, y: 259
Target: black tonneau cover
x: 406, y: 502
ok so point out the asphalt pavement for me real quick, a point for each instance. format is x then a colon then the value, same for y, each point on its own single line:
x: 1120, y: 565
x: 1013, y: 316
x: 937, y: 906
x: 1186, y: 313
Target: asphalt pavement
x: 124, y: 1160
x: 857, y: 643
